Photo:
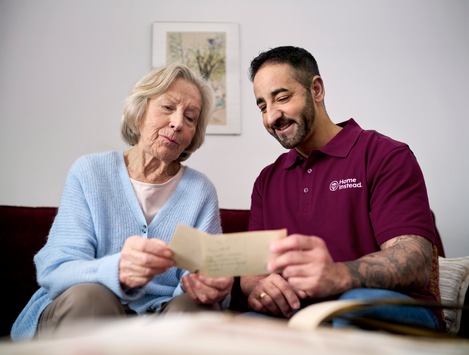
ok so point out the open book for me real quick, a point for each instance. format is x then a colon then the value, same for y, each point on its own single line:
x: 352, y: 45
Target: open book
x: 321, y: 313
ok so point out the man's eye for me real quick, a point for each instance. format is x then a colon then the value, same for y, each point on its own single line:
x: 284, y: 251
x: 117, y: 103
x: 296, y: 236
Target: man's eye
x: 262, y: 108
x: 282, y: 98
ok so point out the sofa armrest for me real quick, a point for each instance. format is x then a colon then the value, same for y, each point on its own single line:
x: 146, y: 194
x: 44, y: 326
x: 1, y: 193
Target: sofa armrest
x: 454, y: 282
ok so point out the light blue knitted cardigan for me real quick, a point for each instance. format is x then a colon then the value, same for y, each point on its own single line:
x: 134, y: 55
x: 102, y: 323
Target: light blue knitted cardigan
x: 98, y: 211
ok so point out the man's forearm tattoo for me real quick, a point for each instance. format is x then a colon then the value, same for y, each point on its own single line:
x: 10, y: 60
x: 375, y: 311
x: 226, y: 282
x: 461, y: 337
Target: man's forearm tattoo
x: 403, y: 263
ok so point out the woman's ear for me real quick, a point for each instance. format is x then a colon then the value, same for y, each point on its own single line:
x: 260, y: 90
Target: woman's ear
x: 317, y: 88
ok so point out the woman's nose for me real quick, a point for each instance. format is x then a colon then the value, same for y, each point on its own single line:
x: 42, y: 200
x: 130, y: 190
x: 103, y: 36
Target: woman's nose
x: 176, y: 120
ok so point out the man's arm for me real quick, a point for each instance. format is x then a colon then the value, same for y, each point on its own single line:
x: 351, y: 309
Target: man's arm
x: 403, y: 262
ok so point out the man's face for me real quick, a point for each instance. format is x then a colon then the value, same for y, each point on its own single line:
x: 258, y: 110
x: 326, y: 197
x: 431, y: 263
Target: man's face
x: 287, y: 107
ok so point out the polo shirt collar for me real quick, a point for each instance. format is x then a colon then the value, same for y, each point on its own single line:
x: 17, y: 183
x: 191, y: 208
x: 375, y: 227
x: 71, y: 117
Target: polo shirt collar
x: 339, y: 146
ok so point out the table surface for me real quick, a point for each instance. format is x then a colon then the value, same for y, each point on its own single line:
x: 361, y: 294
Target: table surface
x: 216, y: 333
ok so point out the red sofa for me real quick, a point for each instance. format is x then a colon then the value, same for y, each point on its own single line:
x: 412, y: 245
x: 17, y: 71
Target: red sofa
x: 25, y: 231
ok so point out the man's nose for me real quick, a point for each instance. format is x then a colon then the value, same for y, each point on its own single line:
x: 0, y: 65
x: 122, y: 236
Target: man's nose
x: 272, y: 115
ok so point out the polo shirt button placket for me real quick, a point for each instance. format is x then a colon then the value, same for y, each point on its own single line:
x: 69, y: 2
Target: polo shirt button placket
x: 305, y: 190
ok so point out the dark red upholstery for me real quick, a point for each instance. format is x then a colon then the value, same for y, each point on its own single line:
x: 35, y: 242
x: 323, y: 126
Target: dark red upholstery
x: 233, y: 221
x: 24, y: 232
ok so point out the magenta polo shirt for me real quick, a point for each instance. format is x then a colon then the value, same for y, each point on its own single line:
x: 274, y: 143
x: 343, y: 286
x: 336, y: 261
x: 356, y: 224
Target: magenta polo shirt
x: 357, y: 192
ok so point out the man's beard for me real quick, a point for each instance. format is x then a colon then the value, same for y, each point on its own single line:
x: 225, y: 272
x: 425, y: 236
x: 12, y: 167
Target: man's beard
x: 303, y: 125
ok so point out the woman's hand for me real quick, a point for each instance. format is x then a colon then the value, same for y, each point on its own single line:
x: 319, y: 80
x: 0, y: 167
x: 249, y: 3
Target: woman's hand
x: 142, y: 259
x: 207, y: 290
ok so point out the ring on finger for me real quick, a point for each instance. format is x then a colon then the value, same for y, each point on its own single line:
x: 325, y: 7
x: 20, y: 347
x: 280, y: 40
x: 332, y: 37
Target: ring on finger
x: 262, y: 295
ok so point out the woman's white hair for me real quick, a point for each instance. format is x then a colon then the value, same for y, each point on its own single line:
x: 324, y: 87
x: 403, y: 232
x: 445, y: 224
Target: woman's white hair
x: 154, y: 84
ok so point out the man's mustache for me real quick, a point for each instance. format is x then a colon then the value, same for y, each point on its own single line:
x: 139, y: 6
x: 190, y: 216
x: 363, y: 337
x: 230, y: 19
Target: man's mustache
x: 281, y: 122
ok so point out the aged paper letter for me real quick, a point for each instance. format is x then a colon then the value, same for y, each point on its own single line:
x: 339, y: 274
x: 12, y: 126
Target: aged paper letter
x: 232, y: 254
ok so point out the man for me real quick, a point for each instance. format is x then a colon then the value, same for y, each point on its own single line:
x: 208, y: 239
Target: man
x: 354, y: 203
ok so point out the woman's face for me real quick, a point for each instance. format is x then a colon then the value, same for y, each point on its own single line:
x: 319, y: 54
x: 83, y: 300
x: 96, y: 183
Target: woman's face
x: 170, y: 121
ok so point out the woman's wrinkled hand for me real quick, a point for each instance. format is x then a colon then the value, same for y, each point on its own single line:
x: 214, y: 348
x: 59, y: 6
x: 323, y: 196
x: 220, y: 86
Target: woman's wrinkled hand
x: 142, y: 259
x: 207, y: 290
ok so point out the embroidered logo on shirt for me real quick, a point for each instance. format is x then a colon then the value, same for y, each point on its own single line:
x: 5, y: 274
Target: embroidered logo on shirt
x: 350, y: 183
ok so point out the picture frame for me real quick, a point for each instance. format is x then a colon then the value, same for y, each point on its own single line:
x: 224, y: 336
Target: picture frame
x: 211, y: 49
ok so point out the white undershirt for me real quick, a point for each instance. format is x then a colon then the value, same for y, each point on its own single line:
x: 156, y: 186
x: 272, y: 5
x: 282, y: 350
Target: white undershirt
x: 152, y: 197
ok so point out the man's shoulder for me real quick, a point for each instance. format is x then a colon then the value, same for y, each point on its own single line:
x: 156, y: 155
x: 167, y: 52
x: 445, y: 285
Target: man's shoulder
x: 369, y: 137
x: 379, y: 139
x: 374, y: 150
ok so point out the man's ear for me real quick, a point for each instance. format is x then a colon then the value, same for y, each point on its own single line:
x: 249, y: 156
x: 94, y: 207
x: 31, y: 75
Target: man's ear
x: 317, y: 88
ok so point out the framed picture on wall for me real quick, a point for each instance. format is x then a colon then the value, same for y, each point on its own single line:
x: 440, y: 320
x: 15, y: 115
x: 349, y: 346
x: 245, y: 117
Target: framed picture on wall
x: 211, y: 49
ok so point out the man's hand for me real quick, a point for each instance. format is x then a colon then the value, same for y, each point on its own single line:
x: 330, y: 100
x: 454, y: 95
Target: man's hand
x: 404, y: 262
x: 207, y: 290
x: 273, y: 294
x: 306, y: 264
x: 142, y: 259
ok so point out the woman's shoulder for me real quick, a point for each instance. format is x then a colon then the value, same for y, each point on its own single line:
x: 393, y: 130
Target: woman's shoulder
x: 197, y: 178
x: 98, y: 158
x: 92, y: 163
x: 192, y: 173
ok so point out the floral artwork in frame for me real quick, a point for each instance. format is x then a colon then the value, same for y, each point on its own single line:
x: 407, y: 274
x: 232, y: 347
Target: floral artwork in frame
x: 212, y: 51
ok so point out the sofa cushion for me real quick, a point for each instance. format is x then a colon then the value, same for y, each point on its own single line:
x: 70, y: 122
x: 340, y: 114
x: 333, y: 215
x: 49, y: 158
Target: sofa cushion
x: 454, y: 281
x: 233, y: 220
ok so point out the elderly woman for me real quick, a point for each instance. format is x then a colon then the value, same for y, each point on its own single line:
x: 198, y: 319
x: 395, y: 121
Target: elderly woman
x: 107, y: 254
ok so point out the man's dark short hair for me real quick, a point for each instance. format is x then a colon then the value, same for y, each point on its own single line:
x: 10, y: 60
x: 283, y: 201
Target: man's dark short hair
x: 300, y: 59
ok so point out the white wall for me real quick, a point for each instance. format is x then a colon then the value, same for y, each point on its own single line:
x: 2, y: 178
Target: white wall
x: 396, y: 66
